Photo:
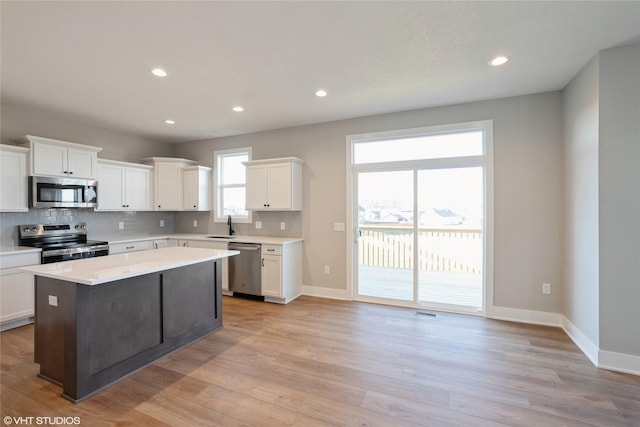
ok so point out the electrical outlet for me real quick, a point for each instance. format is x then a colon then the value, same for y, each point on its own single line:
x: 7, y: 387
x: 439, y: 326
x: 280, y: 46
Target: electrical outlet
x: 546, y: 288
x: 162, y: 223
x: 53, y: 300
x: 327, y: 269
x: 195, y: 223
x: 282, y: 226
x: 121, y: 225
x: 338, y: 226
x: 258, y: 225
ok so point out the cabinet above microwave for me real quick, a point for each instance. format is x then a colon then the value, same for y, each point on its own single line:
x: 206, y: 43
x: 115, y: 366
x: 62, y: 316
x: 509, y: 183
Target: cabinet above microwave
x: 51, y: 157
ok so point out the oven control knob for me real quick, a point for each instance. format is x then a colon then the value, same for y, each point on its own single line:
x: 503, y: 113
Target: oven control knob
x: 26, y: 230
x: 34, y: 229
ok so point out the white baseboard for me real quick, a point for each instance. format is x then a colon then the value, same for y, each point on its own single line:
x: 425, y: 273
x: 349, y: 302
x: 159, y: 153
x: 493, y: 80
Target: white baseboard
x: 588, y: 347
x: 526, y: 316
x: 316, y: 291
x: 627, y: 363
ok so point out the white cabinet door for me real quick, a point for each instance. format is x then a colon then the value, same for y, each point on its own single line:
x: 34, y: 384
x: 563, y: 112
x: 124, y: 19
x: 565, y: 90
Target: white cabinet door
x: 279, y: 186
x: 81, y: 163
x: 13, y: 180
x: 168, y: 186
x: 196, y: 188
x: 272, y: 276
x: 137, y: 189
x: 256, y: 197
x: 110, y: 187
x: 16, y: 288
x: 190, y: 190
x: 49, y: 159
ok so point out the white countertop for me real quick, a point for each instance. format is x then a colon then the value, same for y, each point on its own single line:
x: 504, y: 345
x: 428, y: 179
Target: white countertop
x: 94, y: 271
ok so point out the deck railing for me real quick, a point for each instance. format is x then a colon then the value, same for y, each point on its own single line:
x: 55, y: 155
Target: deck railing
x: 448, y: 250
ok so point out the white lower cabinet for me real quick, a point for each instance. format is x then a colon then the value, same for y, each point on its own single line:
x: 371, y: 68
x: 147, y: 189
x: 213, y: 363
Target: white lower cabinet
x: 16, y: 290
x: 282, y: 272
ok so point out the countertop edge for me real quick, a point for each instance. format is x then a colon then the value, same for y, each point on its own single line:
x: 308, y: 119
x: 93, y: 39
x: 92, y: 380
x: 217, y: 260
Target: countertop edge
x: 66, y: 273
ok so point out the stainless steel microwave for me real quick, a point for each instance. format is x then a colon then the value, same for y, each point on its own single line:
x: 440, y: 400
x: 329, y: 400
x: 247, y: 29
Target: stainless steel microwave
x: 51, y: 192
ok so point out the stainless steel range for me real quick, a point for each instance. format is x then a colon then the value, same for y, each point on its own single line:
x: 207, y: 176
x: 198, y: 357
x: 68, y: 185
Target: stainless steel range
x: 61, y: 242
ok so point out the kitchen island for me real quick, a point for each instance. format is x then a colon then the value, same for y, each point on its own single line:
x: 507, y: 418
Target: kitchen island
x: 100, y: 319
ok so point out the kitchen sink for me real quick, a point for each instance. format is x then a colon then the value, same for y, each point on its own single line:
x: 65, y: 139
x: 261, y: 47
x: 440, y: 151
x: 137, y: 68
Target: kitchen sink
x: 220, y: 237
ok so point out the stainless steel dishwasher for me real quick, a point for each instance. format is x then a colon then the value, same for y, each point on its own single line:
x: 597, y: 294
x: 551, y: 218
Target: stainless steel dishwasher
x: 245, y: 270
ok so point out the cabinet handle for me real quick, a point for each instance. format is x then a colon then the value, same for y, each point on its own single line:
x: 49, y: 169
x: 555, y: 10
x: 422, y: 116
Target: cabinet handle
x: 159, y: 206
x: 65, y: 172
x: 70, y: 172
x: 194, y: 206
x: 263, y: 262
x: 156, y: 245
x: 130, y: 247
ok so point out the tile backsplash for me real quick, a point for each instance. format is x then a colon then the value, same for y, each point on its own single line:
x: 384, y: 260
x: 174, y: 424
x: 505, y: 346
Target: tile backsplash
x: 100, y: 224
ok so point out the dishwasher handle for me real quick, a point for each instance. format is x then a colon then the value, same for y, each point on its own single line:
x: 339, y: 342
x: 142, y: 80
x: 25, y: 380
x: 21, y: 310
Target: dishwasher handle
x: 244, y: 247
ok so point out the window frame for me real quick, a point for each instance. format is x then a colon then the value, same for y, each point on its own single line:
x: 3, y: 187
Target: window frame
x: 217, y: 154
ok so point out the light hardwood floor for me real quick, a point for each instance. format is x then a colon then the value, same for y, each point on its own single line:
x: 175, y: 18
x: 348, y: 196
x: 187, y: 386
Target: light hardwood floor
x: 318, y: 362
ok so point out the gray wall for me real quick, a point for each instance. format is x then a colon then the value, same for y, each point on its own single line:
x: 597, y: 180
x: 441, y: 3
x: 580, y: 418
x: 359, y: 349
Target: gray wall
x: 619, y: 186
x: 581, y: 117
x: 602, y: 164
x: 528, y: 190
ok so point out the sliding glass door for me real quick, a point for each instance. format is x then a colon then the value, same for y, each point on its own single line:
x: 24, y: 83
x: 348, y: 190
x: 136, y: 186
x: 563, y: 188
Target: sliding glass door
x: 419, y: 207
x: 450, y: 240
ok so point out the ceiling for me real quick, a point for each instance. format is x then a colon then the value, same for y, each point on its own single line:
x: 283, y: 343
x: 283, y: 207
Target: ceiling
x: 92, y: 60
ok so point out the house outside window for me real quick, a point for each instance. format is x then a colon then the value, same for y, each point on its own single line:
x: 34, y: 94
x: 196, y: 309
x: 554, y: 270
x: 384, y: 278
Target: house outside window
x: 231, y: 185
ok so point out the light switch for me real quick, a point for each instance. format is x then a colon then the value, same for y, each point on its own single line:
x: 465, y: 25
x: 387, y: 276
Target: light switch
x: 258, y: 225
x: 282, y: 226
x: 338, y: 226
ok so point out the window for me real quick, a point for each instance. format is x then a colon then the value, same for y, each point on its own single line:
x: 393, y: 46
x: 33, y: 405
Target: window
x: 419, y: 147
x: 231, y: 185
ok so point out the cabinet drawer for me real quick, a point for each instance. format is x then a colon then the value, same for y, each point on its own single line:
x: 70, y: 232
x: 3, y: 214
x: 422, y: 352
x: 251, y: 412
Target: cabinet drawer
x: 119, y: 248
x: 271, y: 250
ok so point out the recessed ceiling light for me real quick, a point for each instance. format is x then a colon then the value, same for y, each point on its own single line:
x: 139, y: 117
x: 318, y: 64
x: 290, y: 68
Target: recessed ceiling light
x: 159, y: 72
x: 170, y: 122
x: 499, y: 60
x: 321, y: 93
x: 238, y: 109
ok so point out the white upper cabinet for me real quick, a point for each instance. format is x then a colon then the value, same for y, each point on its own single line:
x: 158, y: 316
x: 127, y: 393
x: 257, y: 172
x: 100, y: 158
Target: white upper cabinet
x: 13, y: 185
x: 123, y: 186
x: 274, y: 184
x: 167, y: 182
x: 196, y: 188
x: 51, y: 157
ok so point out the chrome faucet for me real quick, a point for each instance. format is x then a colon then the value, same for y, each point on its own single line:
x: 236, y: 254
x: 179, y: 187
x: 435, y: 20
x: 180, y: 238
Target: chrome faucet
x: 230, y: 224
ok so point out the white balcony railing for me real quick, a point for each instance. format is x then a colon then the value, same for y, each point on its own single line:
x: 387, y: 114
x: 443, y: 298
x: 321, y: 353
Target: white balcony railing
x: 443, y: 250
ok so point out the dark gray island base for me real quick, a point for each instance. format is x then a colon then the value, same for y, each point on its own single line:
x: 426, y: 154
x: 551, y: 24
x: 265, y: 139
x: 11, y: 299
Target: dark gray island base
x: 96, y: 335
